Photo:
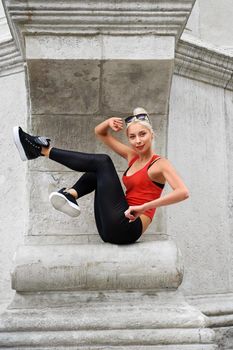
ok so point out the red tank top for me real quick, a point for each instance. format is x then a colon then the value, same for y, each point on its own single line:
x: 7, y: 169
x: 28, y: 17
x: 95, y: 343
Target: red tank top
x: 140, y: 188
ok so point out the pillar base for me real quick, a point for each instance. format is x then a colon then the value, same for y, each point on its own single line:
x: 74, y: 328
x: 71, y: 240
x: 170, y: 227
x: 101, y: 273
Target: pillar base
x: 104, y: 320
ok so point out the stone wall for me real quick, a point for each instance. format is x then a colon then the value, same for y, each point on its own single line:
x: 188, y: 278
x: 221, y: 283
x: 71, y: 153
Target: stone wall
x: 211, y: 21
x: 13, y: 111
x: 199, y: 146
x: 13, y: 206
x: 200, y: 115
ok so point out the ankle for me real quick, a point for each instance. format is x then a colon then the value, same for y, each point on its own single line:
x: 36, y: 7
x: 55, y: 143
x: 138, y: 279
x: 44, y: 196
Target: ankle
x: 45, y: 151
x: 73, y: 192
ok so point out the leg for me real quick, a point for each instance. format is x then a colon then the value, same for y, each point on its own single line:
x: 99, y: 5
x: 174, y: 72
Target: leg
x: 110, y: 202
x: 110, y: 197
x: 87, y: 183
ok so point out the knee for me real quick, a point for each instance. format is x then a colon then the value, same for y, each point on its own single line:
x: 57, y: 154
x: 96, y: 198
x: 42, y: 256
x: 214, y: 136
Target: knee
x: 105, y: 158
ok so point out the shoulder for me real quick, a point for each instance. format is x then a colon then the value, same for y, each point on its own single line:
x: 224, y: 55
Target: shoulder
x: 160, y: 163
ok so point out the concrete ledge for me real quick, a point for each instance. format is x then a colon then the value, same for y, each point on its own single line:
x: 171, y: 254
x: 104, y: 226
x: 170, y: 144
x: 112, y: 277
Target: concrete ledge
x: 144, y: 265
x: 123, y: 347
x: 110, y: 338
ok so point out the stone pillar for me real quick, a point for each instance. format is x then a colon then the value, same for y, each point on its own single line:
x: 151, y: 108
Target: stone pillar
x: 86, y: 61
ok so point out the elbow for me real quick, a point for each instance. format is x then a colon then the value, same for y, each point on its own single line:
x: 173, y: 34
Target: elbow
x: 185, y: 194
x: 96, y: 131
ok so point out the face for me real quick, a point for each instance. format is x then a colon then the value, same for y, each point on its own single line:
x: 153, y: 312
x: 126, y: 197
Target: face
x: 140, y: 137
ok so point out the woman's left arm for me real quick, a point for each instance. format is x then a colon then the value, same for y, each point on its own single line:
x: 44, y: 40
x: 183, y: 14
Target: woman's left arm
x: 179, y: 193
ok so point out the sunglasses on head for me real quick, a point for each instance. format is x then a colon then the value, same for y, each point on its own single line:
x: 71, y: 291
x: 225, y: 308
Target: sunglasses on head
x: 142, y: 116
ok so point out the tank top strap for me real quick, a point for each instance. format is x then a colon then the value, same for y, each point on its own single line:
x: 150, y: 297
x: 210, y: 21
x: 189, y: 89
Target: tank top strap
x: 130, y: 164
x: 153, y: 160
x: 133, y: 160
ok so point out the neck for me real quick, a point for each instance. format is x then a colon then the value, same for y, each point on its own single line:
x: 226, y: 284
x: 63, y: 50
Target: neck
x: 145, y: 156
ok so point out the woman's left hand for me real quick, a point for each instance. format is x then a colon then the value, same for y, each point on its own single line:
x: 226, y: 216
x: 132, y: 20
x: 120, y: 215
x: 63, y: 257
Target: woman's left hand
x: 133, y: 212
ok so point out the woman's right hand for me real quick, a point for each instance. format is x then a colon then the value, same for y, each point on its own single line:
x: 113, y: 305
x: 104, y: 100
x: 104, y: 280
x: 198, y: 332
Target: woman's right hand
x: 116, y: 124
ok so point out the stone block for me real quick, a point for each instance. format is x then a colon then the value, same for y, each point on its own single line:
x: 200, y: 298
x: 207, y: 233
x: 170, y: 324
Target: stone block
x: 100, y: 47
x: 64, y: 86
x: 126, y: 84
x: 44, y: 220
x: 144, y: 265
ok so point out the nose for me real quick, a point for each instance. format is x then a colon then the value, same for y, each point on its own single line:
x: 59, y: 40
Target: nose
x: 138, y: 139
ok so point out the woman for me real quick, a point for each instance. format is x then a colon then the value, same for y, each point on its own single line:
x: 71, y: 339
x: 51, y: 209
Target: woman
x: 120, y: 218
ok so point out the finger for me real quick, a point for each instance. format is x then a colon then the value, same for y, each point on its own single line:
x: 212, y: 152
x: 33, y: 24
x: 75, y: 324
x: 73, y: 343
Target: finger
x: 118, y: 123
x: 119, y: 120
x: 131, y: 217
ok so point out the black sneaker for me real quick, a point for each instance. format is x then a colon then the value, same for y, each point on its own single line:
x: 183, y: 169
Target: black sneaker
x: 29, y: 146
x: 64, y: 202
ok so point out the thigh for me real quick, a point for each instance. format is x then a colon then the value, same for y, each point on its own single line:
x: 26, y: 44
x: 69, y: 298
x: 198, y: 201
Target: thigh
x: 112, y: 224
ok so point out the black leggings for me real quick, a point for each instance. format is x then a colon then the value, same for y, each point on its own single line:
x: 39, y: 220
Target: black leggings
x: 110, y: 202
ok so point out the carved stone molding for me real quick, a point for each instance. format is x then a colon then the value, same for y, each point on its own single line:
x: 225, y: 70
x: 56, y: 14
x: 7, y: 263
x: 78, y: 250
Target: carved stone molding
x: 10, y: 59
x: 218, y: 307
x: 110, y: 17
x: 200, y: 61
x: 219, y: 310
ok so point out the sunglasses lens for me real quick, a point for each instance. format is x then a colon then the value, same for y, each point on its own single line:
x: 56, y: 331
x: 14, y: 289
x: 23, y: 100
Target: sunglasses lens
x: 142, y: 116
x: 129, y: 119
x: 138, y: 116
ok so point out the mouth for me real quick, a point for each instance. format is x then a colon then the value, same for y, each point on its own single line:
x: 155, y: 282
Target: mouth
x: 139, y: 147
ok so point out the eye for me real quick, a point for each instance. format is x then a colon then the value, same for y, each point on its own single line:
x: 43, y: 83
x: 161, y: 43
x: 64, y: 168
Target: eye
x: 143, y: 133
x: 131, y: 137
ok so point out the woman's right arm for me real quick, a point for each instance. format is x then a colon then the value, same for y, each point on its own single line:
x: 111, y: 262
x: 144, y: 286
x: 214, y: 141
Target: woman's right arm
x: 102, y: 131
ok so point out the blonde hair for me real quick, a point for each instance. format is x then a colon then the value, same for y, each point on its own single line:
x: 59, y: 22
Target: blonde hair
x: 140, y: 110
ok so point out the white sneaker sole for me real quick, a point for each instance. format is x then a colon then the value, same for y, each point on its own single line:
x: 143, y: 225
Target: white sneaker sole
x: 60, y: 203
x: 18, y: 143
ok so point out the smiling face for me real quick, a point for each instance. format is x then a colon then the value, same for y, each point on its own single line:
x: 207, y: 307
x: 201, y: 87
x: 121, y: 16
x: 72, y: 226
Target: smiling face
x: 140, y: 137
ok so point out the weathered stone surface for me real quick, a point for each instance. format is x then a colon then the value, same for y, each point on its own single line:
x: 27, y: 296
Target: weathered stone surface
x: 197, y: 113
x: 100, y: 47
x: 201, y: 61
x: 94, y: 17
x: 13, y: 205
x: 145, y: 265
x: 222, y: 15
x: 141, y: 338
x: 72, y: 86
x: 224, y: 338
x: 10, y: 60
x: 229, y: 150
x: 139, y: 347
x: 44, y: 220
x: 64, y: 87
x: 143, y: 320
x: 146, y: 83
